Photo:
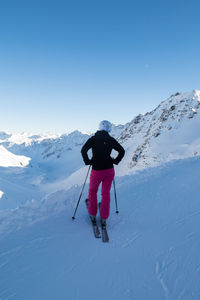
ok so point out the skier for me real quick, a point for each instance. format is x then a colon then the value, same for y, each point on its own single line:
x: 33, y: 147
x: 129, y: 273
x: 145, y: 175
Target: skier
x: 102, y: 145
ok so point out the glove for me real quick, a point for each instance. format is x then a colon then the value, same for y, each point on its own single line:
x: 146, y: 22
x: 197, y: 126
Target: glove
x: 115, y: 161
x: 88, y: 162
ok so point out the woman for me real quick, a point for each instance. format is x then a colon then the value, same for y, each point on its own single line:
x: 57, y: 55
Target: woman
x: 102, y: 145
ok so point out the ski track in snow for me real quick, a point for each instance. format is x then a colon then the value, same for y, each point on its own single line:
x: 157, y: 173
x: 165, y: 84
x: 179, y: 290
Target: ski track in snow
x: 161, y: 280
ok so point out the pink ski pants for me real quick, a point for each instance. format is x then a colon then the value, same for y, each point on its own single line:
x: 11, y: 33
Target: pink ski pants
x: 96, y: 177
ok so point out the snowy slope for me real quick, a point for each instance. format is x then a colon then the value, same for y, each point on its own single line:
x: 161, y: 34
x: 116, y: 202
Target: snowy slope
x: 153, y: 251
x: 8, y: 159
x: 52, y: 158
x: 171, y: 131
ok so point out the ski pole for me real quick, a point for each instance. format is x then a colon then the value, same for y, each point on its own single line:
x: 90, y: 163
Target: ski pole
x: 81, y: 194
x: 117, y: 211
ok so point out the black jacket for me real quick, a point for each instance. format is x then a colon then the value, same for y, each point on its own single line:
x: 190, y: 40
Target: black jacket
x: 102, y: 145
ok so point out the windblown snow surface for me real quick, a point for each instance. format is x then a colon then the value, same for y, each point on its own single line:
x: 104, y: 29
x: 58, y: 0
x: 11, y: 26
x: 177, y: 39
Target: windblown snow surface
x: 154, y: 248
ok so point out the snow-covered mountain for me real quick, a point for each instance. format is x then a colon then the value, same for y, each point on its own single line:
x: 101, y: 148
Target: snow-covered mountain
x: 168, y: 132
x: 171, y: 131
x: 51, y: 147
x: 51, y: 158
x: 52, y: 162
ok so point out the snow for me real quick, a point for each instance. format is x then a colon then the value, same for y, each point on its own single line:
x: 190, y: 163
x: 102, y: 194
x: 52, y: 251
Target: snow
x: 8, y: 159
x: 153, y: 251
x: 168, y: 132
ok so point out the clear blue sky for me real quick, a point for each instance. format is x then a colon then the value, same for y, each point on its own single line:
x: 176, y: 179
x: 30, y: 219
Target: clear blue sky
x: 66, y: 65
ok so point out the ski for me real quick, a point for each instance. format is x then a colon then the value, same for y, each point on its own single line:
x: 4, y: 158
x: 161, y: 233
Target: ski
x: 95, y: 227
x: 105, y: 237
